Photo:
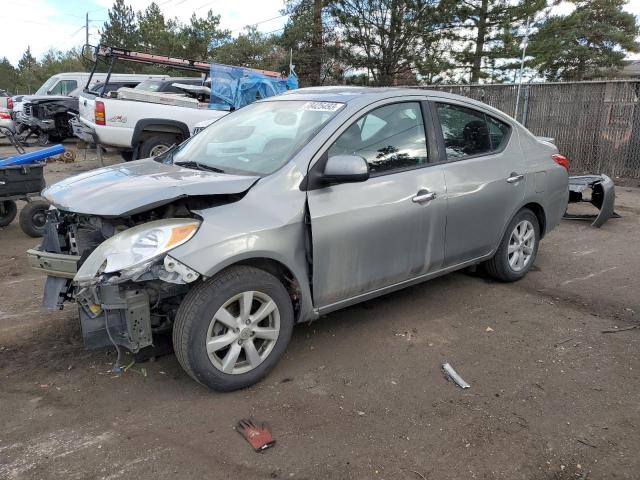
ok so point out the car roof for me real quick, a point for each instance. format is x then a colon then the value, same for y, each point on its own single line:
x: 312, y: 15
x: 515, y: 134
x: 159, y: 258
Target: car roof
x: 366, y: 95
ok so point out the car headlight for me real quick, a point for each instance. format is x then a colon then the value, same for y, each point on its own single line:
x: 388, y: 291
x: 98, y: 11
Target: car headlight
x: 136, y: 248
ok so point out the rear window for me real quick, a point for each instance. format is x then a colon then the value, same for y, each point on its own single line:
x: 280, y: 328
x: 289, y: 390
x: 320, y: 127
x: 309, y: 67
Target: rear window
x: 468, y: 132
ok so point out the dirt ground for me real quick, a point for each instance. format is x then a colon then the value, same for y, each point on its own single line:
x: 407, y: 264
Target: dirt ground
x: 360, y: 393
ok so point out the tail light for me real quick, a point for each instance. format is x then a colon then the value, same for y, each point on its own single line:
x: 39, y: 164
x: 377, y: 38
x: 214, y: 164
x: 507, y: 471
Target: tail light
x: 561, y: 160
x: 99, y: 113
x: 5, y: 116
x: 9, y: 104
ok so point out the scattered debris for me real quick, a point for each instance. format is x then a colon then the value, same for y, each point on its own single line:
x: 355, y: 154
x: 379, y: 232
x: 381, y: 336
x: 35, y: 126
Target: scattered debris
x: 562, y: 342
x: 450, y: 373
x: 417, y: 473
x: 489, y: 329
x: 259, y: 437
x: 616, y: 330
x: 584, y: 442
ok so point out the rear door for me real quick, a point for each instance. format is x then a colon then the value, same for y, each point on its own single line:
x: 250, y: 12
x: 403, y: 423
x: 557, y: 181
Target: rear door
x: 390, y: 228
x: 484, y: 171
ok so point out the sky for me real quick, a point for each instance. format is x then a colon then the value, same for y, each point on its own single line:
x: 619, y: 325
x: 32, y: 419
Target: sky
x: 59, y: 24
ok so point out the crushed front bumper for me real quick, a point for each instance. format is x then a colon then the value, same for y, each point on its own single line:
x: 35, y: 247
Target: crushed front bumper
x: 124, y: 311
x: 80, y: 130
x: 603, y: 197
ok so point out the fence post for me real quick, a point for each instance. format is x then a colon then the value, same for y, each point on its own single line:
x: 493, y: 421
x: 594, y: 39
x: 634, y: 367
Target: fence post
x: 525, y: 108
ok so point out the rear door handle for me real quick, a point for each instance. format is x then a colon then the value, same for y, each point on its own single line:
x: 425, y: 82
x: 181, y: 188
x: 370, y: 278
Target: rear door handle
x: 514, y: 177
x: 424, y: 196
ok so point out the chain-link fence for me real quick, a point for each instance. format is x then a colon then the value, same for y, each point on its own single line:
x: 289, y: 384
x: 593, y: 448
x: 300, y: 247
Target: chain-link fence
x: 595, y: 124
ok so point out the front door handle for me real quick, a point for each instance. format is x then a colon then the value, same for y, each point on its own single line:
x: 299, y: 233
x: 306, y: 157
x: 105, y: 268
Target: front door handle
x: 423, y: 196
x: 514, y: 177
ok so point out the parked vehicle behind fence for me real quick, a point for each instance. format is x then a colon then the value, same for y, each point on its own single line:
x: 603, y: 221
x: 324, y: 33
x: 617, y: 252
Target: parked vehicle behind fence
x: 290, y: 208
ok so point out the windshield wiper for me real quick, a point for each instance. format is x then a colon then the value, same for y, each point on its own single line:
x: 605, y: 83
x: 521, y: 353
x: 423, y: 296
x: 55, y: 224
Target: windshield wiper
x: 198, y: 166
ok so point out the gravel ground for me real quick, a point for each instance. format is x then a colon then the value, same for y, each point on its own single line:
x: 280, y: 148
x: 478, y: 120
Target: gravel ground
x: 359, y: 393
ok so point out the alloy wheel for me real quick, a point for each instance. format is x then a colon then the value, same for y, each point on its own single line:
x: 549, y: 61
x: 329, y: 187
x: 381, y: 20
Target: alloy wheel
x: 243, y: 332
x: 521, y: 245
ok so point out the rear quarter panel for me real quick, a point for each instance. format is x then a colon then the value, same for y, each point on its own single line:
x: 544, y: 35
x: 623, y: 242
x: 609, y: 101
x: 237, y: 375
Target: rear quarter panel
x: 547, y: 182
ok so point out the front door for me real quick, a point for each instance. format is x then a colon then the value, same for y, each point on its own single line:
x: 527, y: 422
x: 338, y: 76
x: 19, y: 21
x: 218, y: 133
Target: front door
x: 388, y: 229
x: 485, y: 176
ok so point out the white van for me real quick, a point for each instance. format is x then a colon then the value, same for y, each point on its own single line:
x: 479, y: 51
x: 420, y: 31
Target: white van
x: 65, y: 83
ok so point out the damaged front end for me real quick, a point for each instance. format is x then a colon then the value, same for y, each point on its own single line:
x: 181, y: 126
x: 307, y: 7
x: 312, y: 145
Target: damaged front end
x: 125, y: 283
x: 47, y: 116
x: 602, y: 196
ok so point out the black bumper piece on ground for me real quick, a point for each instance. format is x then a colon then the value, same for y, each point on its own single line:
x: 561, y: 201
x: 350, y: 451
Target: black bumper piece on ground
x: 603, y: 197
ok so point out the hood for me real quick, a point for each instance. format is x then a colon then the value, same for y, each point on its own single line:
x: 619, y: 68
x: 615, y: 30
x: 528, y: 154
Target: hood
x: 126, y: 189
x: 46, y: 98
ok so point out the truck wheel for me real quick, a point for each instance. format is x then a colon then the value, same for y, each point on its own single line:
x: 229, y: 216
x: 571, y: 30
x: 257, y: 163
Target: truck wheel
x: 127, y: 155
x: 517, y: 250
x: 33, y: 218
x: 8, y: 210
x: 154, y: 146
x: 232, y: 329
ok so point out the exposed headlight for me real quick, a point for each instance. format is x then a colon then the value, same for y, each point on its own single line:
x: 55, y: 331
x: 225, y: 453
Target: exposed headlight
x: 137, y: 247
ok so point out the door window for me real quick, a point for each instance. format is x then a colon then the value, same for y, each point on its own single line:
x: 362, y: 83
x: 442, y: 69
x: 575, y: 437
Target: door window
x: 389, y: 138
x: 64, y: 87
x: 469, y: 132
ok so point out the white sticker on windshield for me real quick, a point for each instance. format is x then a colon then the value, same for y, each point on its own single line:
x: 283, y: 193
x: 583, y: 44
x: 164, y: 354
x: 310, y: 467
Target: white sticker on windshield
x: 321, y: 106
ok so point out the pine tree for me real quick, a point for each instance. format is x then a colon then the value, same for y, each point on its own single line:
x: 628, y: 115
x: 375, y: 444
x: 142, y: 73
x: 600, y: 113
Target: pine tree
x: 593, y: 40
x: 480, y: 25
x: 202, y: 36
x: 28, y: 71
x: 382, y: 36
x: 121, y: 30
x: 157, y: 35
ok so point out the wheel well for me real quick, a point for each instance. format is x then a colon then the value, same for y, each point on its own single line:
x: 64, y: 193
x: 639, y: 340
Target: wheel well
x: 282, y: 273
x: 154, y: 129
x: 537, y: 209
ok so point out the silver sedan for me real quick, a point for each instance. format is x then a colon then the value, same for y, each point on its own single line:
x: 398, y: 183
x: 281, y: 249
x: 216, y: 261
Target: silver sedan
x: 291, y: 208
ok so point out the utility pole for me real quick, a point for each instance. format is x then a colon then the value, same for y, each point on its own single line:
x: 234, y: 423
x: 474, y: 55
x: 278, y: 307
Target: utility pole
x: 316, y: 43
x: 524, y: 52
x: 86, y: 29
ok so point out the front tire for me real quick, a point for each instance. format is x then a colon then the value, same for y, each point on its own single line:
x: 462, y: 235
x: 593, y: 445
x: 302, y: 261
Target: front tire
x: 231, y: 330
x: 33, y: 218
x: 517, y: 250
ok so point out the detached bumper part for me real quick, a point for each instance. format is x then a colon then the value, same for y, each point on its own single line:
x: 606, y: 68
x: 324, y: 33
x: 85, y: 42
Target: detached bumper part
x: 603, y: 197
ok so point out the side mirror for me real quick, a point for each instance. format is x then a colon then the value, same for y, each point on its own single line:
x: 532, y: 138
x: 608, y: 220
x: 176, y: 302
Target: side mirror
x: 88, y: 52
x: 346, y: 169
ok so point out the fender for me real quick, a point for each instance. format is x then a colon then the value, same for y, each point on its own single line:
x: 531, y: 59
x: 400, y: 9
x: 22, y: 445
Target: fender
x: 307, y: 311
x: 142, y: 124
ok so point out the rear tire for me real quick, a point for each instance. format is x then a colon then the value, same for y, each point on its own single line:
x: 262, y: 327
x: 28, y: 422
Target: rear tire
x: 200, y: 324
x: 33, y: 218
x: 515, y: 257
x: 127, y: 155
x: 156, y: 145
x: 8, y: 211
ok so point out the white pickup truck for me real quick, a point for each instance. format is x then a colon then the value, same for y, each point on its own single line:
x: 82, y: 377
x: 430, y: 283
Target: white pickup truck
x: 138, y: 129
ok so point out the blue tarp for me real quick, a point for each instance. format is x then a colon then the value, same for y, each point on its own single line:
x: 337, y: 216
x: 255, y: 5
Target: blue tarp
x: 33, y: 157
x: 235, y: 87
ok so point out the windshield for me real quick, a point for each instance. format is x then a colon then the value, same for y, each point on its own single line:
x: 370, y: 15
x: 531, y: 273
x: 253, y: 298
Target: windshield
x: 46, y: 86
x: 259, y: 138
